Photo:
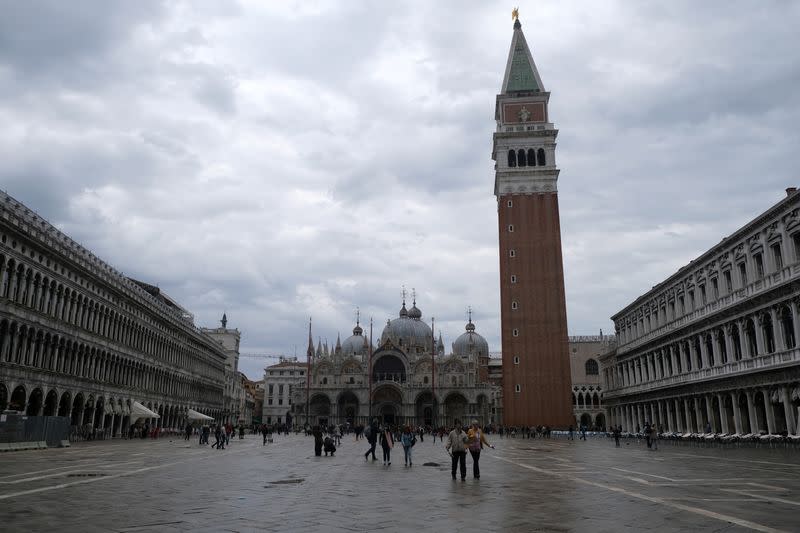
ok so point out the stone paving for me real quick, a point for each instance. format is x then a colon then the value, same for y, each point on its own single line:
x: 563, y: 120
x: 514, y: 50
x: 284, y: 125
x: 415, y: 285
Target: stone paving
x: 526, y: 485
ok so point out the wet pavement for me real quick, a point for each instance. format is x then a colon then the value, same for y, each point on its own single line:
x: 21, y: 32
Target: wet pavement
x: 525, y: 485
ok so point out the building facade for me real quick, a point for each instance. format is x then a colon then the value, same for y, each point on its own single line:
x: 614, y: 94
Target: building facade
x: 279, y: 381
x: 715, y: 345
x: 79, y: 339
x: 536, y: 374
x: 588, y: 406
x: 233, y: 393
x: 406, y: 379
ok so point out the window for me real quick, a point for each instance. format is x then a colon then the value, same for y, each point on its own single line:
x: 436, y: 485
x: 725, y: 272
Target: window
x: 511, y: 228
x: 324, y: 381
x: 515, y: 332
x: 280, y: 401
x: 691, y: 299
x: 510, y: 203
x: 592, y: 368
x: 289, y: 401
x: 743, y: 273
x: 702, y: 294
x: 513, y: 278
x: 269, y: 402
x: 776, y: 255
x: 521, y: 158
x: 796, y: 241
x: 302, y: 373
x: 516, y: 359
x: 728, y: 281
x: 517, y: 388
x: 512, y: 253
x: 270, y: 389
x: 513, y: 305
x: 280, y: 390
x: 531, y: 157
x: 280, y: 373
x: 541, y: 157
x: 681, y: 305
x: 714, y: 289
x: 512, y: 158
x: 425, y: 380
x: 759, y: 262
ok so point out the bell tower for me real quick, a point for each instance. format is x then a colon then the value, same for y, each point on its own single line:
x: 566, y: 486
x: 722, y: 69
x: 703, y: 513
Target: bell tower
x: 536, y: 369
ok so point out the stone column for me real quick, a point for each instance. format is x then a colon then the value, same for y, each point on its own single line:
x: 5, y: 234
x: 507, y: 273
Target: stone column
x: 791, y: 424
x: 710, y: 413
x: 703, y: 351
x: 752, y: 414
x: 737, y: 413
x: 759, y: 336
x: 777, y: 330
x: 770, y: 413
x: 723, y: 413
x: 715, y: 340
x: 728, y: 338
x: 795, y: 322
x: 688, y: 414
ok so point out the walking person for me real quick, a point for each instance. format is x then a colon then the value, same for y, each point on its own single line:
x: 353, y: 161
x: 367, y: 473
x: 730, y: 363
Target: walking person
x: 476, y: 440
x: 317, y: 432
x: 456, y: 445
x: 408, y: 440
x: 654, y: 436
x: 387, y: 443
x: 571, y: 435
x: 648, y: 434
x: 583, y: 431
x: 371, y: 434
x: 617, y: 434
x: 188, y: 432
x: 264, y: 433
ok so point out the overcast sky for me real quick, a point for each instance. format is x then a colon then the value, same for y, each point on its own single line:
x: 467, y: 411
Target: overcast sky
x: 280, y: 160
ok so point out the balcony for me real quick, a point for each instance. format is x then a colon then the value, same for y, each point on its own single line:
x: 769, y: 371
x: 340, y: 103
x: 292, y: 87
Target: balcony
x: 745, y: 366
x: 759, y: 286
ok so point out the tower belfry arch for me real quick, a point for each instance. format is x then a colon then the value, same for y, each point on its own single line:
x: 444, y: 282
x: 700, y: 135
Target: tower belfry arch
x: 536, y: 371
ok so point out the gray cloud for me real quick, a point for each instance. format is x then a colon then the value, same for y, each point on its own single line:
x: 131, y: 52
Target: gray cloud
x: 279, y: 161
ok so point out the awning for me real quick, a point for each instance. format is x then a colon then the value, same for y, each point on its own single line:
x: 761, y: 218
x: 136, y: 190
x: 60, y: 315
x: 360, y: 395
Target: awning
x: 140, y: 411
x: 191, y: 414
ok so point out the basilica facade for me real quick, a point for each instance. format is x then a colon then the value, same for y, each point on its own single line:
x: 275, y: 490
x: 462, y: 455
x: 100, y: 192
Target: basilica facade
x: 405, y: 378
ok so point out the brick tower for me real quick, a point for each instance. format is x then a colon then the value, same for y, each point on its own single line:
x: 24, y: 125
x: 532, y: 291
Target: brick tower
x: 533, y: 315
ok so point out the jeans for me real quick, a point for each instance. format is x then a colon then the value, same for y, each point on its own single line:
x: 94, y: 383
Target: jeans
x: 407, y: 452
x: 371, y: 450
x: 476, y: 470
x: 460, y: 458
x: 387, y: 454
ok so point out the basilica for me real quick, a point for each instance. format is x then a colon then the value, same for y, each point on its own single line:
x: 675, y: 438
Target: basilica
x: 405, y: 378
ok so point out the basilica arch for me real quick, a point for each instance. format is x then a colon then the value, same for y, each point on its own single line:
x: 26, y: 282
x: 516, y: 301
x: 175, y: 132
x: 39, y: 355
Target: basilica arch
x: 387, y: 404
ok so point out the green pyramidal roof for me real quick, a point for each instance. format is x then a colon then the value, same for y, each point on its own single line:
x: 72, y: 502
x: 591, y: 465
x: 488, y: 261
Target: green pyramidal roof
x: 521, y: 76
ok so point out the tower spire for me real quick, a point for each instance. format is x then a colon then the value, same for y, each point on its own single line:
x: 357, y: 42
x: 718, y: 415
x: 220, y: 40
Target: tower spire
x: 521, y: 75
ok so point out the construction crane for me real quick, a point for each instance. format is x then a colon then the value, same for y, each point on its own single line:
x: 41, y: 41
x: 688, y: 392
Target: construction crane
x: 265, y: 356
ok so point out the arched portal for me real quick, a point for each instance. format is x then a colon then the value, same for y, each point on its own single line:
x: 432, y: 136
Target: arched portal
x: 77, y: 409
x: 745, y: 413
x: 387, y: 403
x: 424, y: 409
x: 455, y: 407
x: 586, y: 420
x: 35, y: 402
x: 17, y: 402
x: 348, y: 407
x: 64, y: 404
x: 320, y: 409
x: 600, y: 422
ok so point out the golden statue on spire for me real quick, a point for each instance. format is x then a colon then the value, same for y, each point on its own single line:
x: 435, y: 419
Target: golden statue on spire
x: 515, y: 13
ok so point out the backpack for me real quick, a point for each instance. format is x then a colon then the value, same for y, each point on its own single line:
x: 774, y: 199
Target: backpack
x: 368, y: 432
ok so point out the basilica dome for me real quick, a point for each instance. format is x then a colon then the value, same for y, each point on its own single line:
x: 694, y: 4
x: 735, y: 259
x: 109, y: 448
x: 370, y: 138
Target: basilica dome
x: 356, y: 344
x: 408, y: 330
x: 471, y: 343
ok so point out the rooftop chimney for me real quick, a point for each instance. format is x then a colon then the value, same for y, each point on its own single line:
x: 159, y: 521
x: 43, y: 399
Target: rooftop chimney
x: 790, y: 190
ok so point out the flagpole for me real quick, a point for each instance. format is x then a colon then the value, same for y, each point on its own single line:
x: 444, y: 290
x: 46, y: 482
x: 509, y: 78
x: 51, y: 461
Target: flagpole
x: 369, y: 414
x: 308, y: 373
x: 433, y: 371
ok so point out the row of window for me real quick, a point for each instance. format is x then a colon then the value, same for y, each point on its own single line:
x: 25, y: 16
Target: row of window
x: 529, y: 158
x: 26, y: 287
x: 709, y: 291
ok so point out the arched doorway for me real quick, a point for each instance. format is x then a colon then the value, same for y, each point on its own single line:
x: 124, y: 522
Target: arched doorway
x: 320, y: 409
x: 760, y: 422
x: 50, y: 403
x: 348, y: 408
x: 35, y: 402
x: 77, y: 410
x: 17, y: 402
x: 424, y: 409
x: 586, y: 420
x: 744, y: 413
x: 455, y: 407
x: 388, y: 403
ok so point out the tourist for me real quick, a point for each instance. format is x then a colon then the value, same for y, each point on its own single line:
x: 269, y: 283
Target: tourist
x: 407, y: 439
x: 654, y: 436
x: 476, y: 440
x: 188, y: 432
x: 648, y: 434
x: 371, y: 434
x: 337, y: 435
x: 387, y: 443
x: 264, y: 433
x: 583, y: 431
x: 571, y: 435
x: 617, y: 435
x: 219, y: 438
x: 456, y: 445
x: 317, y: 433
